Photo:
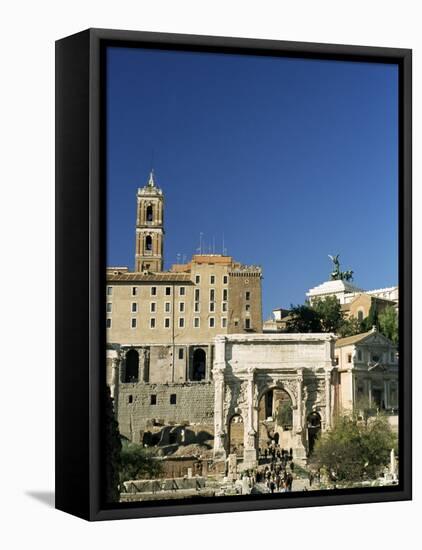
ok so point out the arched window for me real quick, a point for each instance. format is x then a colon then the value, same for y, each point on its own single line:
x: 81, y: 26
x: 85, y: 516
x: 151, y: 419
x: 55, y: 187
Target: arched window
x: 148, y: 242
x: 149, y: 213
x: 132, y: 366
x: 198, y: 364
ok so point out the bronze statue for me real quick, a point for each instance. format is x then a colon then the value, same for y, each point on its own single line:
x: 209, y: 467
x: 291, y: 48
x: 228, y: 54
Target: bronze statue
x: 336, y: 274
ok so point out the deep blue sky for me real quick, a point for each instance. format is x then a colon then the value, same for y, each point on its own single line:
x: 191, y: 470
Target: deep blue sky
x: 291, y: 159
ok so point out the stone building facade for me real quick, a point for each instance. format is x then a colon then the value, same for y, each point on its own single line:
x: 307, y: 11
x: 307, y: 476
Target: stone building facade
x: 161, y: 325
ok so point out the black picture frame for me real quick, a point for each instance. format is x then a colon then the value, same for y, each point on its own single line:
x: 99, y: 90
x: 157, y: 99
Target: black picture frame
x: 80, y: 269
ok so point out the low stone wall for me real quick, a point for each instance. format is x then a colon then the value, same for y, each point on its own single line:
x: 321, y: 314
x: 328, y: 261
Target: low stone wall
x: 155, y: 485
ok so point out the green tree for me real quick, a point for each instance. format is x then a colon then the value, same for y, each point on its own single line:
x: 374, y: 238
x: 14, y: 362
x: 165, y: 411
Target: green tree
x: 303, y: 318
x: 372, y: 319
x: 350, y: 327
x: 389, y: 324
x: 138, y: 463
x: 112, y: 449
x: 330, y: 313
x: 353, y: 450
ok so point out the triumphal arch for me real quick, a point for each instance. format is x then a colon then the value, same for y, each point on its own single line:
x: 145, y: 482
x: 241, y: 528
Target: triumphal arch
x: 271, y: 387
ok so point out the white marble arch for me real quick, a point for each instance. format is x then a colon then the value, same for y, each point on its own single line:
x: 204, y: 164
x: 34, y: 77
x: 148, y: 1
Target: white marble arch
x: 247, y: 366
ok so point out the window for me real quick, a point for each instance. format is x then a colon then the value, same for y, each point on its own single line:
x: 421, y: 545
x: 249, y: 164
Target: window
x: 236, y: 323
x: 167, y: 307
x: 109, y: 290
x: 212, y: 295
x: 167, y: 322
x: 375, y: 358
x: 197, y: 279
x: 108, y: 323
x: 212, y: 279
x: 182, y: 307
x: 197, y: 307
x: 148, y: 243
x: 181, y: 322
x: 247, y: 307
x: 153, y: 291
x: 223, y: 322
x: 134, y: 307
x: 336, y: 360
x: 212, y: 307
x: 153, y: 399
x: 224, y: 306
x: 131, y: 370
x: 168, y: 290
x: 225, y: 279
x: 130, y: 398
x: 149, y: 213
x: 134, y: 291
x: 180, y: 353
x: 211, y: 322
x: 196, y: 294
x: 247, y: 323
x: 196, y: 322
x: 108, y: 308
x: 225, y: 294
x: 182, y: 291
x: 247, y: 295
x: 152, y: 322
x: 359, y: 355
x: 133, y: 323
x: 173, y: 399
x: 153, y: 307
x: 349, y: 358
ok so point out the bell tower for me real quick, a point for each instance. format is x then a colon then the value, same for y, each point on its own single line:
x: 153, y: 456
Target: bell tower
x: 149, y: 227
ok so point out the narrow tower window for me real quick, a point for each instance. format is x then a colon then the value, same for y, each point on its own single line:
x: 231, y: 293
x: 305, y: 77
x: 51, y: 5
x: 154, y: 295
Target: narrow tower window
x: 148, y: 242
x: 149, y: 213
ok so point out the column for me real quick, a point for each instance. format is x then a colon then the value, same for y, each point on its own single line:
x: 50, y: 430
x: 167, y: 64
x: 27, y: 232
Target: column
x: 387, y: 393
x: 219, y: 431
x: 299, y: 413
x: 370, y: 392
x: 114, y: 386
x: 249, y: 436
x: 328, y: 400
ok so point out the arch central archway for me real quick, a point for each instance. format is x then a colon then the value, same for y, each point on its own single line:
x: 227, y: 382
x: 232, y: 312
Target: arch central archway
x: 275, y: 418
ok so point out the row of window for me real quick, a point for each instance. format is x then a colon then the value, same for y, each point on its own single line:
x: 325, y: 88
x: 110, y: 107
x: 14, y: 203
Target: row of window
x: 181, y: 322
x: 153, y: 399
x: 182, y: 292
x: 167, y: 307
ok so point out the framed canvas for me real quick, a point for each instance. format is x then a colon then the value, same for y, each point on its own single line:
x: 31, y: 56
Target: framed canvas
x: 233, y: 292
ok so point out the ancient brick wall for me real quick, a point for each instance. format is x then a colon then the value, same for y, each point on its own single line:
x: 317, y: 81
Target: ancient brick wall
x: 191, y: 402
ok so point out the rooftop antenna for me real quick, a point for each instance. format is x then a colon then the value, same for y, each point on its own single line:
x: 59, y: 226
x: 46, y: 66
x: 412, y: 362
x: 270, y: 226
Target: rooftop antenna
x: 224, y: 247
x: 178, y: 256
x: 184, y: 258
x: 200, y: 242
x: 213, y: 244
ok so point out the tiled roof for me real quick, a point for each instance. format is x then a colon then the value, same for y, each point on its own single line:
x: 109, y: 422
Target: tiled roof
x: 349, y: 340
